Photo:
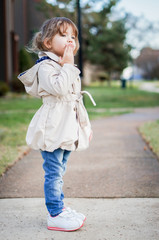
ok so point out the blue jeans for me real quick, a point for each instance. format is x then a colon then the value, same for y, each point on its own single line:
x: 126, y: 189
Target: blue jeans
x: 54, y: 166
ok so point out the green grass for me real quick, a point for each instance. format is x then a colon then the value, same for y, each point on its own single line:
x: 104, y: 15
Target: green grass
x: 121, y: 98
x: 97, y: 113
x: 17, y: 110
x: 150, y: 132
x: 12, y: 145
x: 19, y: 102
x: 15, y: 115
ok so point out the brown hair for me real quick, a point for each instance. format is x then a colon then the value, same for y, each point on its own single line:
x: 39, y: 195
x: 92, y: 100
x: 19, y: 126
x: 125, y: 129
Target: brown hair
x: 49, y: 29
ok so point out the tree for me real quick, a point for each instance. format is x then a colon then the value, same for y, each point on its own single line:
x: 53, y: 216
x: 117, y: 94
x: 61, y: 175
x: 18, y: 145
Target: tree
x: 105, y: 40
x: 57, y: 8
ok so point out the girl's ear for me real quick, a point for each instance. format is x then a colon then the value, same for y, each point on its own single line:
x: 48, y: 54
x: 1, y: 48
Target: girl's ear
x: 47, y: 43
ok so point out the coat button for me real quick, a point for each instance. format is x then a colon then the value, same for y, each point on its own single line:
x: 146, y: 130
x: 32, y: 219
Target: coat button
x: 74, y: 109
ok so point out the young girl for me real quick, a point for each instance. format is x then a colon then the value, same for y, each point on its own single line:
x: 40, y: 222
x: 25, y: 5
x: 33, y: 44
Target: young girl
x: 61, y: 125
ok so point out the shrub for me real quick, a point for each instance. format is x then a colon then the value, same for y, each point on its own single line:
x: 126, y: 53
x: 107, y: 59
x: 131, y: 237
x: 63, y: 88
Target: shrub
x: 4, y: 88
x: 17, y: 85
x: 102, y: 76
x: 25, y: 60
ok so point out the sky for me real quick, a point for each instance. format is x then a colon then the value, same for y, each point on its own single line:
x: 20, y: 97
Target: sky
x: 148, y: 9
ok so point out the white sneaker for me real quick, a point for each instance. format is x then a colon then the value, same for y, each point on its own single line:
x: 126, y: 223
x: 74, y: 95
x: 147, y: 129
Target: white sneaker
x: 76, y: 214
x: 64, y: 222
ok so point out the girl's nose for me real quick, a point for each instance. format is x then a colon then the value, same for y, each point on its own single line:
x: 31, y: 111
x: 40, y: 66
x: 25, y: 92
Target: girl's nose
x: 70, y: 40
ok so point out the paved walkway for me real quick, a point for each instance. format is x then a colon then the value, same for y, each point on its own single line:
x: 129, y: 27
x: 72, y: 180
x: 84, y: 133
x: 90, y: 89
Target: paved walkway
x: 116, y: 179
x: 107, y: 219
x: 149, y: 87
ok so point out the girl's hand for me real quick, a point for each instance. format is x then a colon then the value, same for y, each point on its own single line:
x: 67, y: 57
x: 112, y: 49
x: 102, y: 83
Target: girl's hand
x: 68, y: 56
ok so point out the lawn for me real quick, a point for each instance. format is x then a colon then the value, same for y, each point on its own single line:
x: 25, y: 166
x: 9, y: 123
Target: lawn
x: 16, y: 112
x: 114, y: 100
x: 150, y: 132
x: 121, y: 98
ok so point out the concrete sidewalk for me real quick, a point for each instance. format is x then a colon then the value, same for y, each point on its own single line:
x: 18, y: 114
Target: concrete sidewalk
x: 107, y: 219
x: 115, y: 183
x: 149, y: 87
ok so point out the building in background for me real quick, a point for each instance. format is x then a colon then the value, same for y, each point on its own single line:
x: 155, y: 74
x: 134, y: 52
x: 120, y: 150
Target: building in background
x: 145, y: 66
x: 19, y: 19
x: 148, y: 62
x: 8, y: 41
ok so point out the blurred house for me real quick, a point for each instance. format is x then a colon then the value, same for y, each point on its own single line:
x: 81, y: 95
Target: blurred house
x: 28, y: 19
x: 8, y: 41
x: 148, y: 62
x: 19, y: 19
x: 145, y: 66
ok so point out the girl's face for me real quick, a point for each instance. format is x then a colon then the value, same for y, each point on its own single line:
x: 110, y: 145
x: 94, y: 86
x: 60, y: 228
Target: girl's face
x: 59, y: 42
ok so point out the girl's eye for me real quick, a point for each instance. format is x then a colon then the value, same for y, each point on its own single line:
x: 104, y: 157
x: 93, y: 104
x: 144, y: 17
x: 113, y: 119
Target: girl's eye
x: 73, y: 37
x: 63, y: 35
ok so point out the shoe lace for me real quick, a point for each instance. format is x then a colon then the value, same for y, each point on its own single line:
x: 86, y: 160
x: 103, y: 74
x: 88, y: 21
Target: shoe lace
x: 68, y: 209
x: 67, y: 213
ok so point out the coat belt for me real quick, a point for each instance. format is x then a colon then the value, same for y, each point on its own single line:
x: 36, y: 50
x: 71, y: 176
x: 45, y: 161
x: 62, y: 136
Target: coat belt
x: 80, y: 109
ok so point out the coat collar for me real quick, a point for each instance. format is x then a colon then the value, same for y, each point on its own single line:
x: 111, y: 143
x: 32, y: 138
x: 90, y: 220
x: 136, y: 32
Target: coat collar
x: 50, y: 55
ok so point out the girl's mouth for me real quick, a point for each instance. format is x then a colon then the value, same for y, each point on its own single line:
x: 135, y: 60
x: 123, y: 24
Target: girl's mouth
x: 70, y: 45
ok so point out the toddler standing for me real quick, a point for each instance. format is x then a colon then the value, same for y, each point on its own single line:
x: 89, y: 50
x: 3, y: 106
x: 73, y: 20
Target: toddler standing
x: 61, y: 125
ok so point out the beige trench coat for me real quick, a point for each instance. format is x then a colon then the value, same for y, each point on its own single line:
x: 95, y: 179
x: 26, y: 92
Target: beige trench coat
x: 62, y: 120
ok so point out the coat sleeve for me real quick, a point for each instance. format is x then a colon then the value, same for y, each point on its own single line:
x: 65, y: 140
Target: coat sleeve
x: 56, y: 82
